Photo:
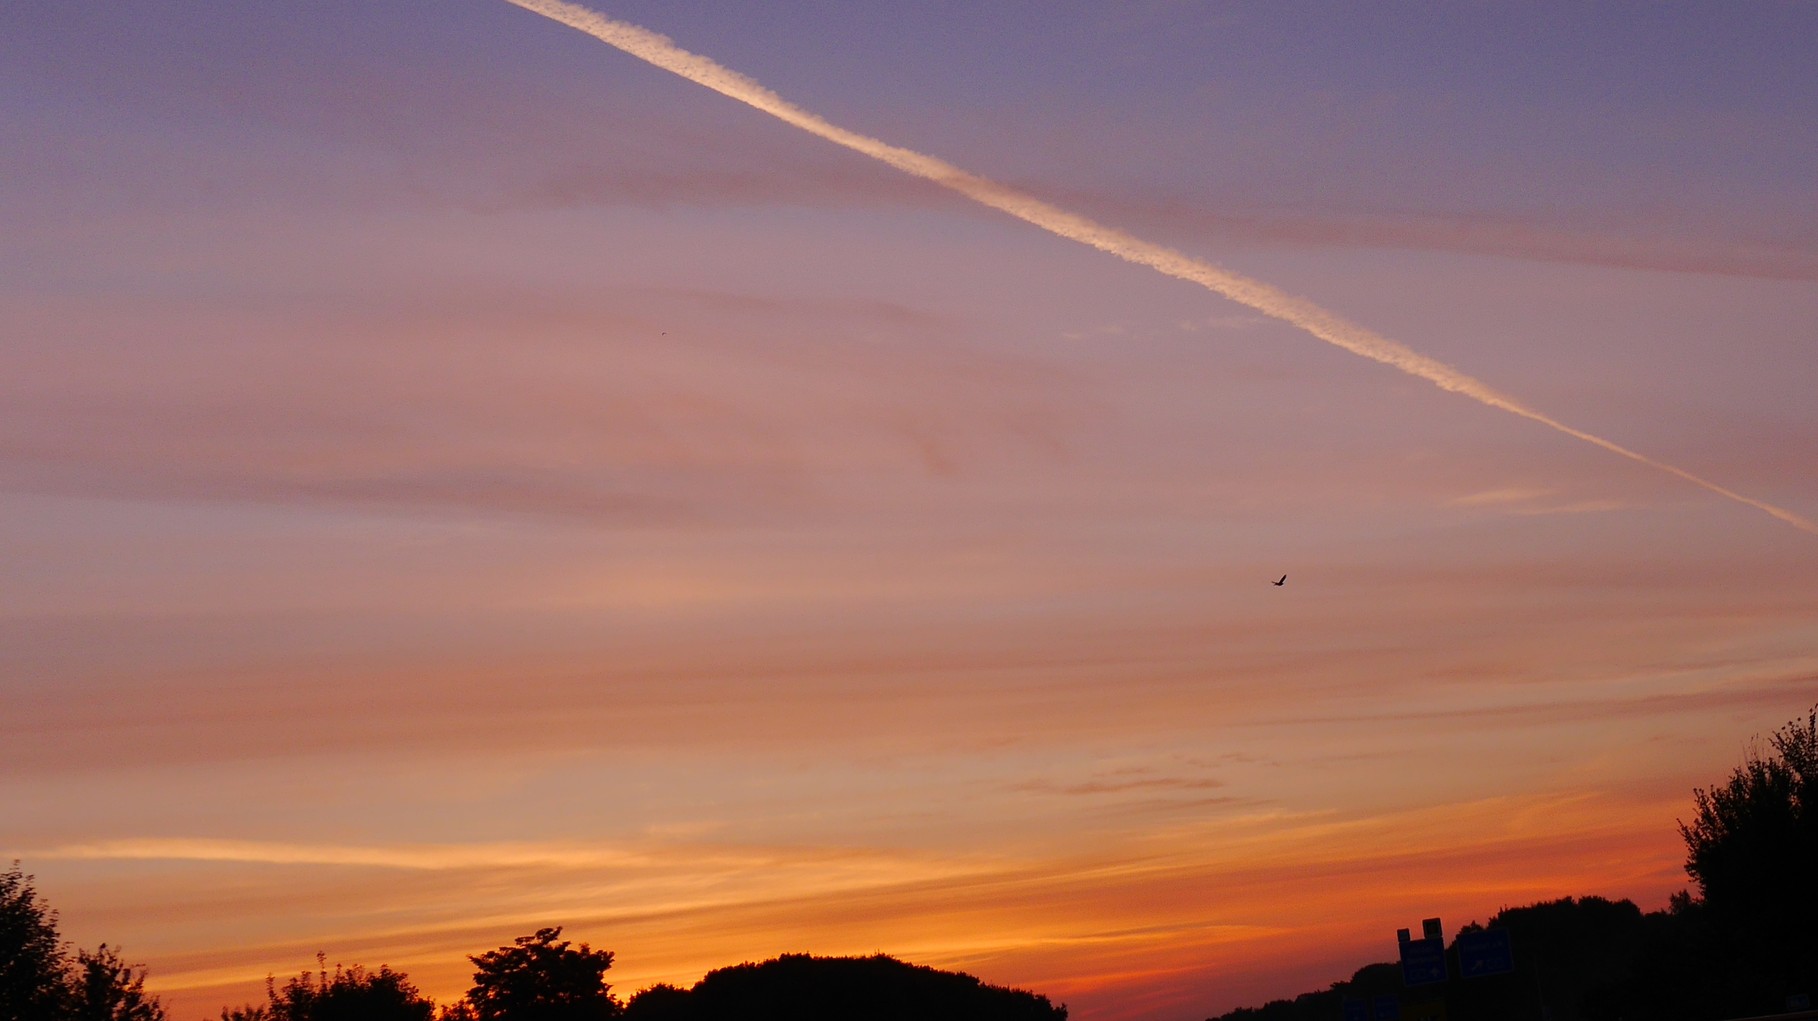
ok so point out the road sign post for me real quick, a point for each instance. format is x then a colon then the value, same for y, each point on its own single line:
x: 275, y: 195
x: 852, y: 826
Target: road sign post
x: 1485, y: 952
x: 1423, y: 962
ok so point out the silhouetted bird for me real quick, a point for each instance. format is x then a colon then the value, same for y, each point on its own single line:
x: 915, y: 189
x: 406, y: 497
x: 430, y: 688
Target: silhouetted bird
x: 1283, y: 581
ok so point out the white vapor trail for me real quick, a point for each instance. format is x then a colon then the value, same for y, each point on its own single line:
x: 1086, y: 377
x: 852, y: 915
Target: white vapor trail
x: 660, y: 51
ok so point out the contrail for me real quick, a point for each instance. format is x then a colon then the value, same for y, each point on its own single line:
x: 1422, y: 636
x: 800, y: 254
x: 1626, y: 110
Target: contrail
x: 659, y: 50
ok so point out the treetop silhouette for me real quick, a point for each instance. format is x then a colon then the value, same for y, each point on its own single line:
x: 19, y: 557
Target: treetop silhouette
x: 40, y: 980
x: 542, y: 978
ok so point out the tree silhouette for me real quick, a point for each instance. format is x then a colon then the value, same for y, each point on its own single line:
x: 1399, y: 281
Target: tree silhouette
x: 39, y: 981
x: 32, y: 963
x: 661, y: 1002
x: 350, y: 994
x: 1752, y: 848
x: 105, y: 988
x: 541, y: 978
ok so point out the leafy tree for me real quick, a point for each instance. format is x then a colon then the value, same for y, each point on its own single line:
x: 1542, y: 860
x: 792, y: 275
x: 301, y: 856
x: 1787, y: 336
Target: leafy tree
x: 541, y: 978
x: 351, y: 994
x: 32, y: 959
x: 661, y: 1002
x: 40, y: 981
x: 1752, y: 849
x: 105, y: 988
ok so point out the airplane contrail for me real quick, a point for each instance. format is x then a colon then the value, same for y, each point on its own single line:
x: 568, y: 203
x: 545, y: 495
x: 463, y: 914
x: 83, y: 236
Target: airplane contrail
x: 1270, y: 301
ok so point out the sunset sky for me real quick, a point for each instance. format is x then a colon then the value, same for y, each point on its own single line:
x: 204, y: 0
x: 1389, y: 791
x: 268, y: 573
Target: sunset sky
x: 457, y: 478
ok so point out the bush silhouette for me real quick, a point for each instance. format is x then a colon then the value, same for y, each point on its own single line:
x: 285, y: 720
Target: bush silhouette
x: 350, y: 994
x: 799, y: 987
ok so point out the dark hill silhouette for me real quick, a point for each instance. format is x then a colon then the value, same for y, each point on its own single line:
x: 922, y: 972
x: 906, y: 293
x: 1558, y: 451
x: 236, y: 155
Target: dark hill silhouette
x: 1369, y: 981
x: 800, y: 987
x: 1573, y: 957
x: 1576, y: 959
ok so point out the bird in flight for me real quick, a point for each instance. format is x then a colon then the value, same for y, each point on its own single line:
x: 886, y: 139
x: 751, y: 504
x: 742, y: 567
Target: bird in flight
x: 1283, y: 581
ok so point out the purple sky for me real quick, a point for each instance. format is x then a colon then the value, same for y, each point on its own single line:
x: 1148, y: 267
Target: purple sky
x: 456, y: 478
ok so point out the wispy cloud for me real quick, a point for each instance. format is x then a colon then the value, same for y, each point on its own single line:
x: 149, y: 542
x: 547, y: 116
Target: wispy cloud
x: 1548, y: 704
x: 1499, y: 497
x: 1528, y: 501
x: 666, y: 415
x: 1636, y: 246
x: 416, y: 857
x: 1202, y: 894
x: 1120, y: 786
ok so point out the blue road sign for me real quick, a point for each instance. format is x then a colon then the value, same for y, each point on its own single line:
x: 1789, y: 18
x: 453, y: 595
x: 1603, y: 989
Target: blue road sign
x: 1357, y: 1010
x: 1423, y: 962
x: 1485, y: 952
x: 1388, y: 1008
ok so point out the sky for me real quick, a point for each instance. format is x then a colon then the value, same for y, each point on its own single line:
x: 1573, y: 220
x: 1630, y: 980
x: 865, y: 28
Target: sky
x: 457, y: 478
